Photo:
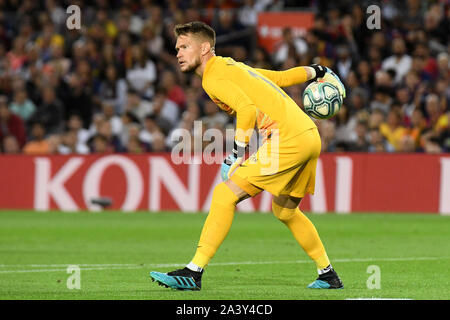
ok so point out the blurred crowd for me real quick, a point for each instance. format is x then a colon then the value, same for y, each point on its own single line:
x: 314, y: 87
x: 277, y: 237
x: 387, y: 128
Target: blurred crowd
x: 114, y: 85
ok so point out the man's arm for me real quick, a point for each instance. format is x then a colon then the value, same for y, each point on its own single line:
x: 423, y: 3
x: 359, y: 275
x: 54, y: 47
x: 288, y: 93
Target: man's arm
x: 299, y: 75
x: 289, y: 77
x: 232, y: 95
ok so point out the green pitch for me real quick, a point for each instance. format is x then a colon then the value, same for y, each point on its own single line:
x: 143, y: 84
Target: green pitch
x: 259, y: 259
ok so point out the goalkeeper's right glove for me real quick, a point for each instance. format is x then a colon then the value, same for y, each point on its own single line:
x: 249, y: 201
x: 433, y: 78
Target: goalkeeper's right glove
x: 320, y: 71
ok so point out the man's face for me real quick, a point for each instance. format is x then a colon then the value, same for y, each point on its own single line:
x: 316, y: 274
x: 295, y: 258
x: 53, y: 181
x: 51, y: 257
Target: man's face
x: 4, y: 111
x: 189, y: 52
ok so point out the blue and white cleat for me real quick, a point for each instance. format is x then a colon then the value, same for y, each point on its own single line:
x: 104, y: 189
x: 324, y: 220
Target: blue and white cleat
x: 181, y: 279
x: 328, y: 280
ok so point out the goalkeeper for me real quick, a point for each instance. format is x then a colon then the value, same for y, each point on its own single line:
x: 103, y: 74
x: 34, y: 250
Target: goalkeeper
x: 284, y: 165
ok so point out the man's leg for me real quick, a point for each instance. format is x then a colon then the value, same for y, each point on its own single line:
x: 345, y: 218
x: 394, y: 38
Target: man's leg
x: 285, y: 208
x: 225, y: 197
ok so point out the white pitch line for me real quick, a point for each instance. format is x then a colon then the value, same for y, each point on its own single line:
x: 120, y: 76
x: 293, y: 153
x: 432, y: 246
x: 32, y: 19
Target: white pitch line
x: 67, y: 264
x: 64, y: 270
x: 378, y: 299
x: 167, y: 265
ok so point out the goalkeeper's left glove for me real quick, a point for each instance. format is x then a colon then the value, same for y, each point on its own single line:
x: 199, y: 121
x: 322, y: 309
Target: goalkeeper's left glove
x: 326, y: 74
x: 233, y: 160
x: 332, y: 78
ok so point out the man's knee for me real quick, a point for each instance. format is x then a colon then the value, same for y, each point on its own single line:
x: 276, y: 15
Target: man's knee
x: 283, y: 214
x: 284, y: 207
x: 237, y: 190
x: 225, y: 194
x: 287, y: 201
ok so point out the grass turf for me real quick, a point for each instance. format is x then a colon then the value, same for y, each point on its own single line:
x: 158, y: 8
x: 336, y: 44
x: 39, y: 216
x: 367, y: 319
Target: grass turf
x: 258, y: 260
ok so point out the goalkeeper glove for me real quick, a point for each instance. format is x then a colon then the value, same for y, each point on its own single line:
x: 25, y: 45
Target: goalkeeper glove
x: 320, y: 71
x: 233, y: 160
x: 326, y: 74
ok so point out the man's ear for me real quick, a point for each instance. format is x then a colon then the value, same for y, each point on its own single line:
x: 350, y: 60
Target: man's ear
x: 206, y: 47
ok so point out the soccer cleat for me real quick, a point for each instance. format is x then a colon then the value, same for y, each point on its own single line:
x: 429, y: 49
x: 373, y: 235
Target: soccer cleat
x: 328, y: 280
x: 181, y: 279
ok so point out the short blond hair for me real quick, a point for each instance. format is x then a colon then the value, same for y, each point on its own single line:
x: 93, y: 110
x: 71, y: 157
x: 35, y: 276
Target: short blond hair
x: 197, y: 28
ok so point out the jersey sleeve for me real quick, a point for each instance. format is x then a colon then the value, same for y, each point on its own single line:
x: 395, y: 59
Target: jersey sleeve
x: 285, y: 78
x: 228, y: 93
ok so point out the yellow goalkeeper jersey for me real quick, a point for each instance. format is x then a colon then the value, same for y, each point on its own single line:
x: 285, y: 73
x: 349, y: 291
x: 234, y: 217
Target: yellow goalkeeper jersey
x: 254, y: 96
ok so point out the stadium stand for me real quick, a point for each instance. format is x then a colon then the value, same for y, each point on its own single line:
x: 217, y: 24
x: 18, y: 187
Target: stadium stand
x: 114, y: 85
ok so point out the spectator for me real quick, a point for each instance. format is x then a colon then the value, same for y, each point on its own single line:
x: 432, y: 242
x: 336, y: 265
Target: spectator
x: 150, y: 130
x: 51, y: 112
x: 261, y: 59
x: 443, y: 65
x: 142, y: 73
x: 130, y: 45
x: 110, y: 115
x: 77, y: 99
x: 22, y: 106
x: 16, y: 57
x: 10, y: 145
x: 289, y: 46
x: 404, y: 98
x: 70, y: 144
x: 105, y: 132
x: 159, y: 143
x: 153, y: 42
x: 327, y: 131
x: 38, y: 144
x: 129, y: 129
x: 377, y: 141
x: 376, y: 118
x: 100, y: 144
x: 365, y: 75
x: 137, y: 106
x: 444, y: 137
x: 361, y: 131
x: 418, y: 125
x: 400, y: 61
x: 75, y: 124
x: 358, y: 100
x: 11, y: 124
x: 174, y: 91
x: 213, y: 118
x: 413, y: 15
x: 392, y: 130
x: 344, y: 62
x: 437, y: 120
x: 382, y: 99
x: 114, y: 89
x: 134, y: 143
x: 165, y: 111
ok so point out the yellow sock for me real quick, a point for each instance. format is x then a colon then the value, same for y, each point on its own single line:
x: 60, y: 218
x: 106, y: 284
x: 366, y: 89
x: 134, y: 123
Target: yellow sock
x: 217, y: 224
x: 304, y: 232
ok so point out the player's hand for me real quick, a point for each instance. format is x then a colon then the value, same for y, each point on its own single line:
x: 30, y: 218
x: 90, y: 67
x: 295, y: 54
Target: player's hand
x: 232, y: 161
x: 326, y: 74
x: 320, y: 71
x: 332, y: 78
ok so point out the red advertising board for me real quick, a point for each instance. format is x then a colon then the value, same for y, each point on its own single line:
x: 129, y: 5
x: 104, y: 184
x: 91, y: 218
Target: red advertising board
x: 271, y: 25
x: 344, y: 183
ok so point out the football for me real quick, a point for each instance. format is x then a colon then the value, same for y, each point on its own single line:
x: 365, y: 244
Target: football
x: 321, y: 100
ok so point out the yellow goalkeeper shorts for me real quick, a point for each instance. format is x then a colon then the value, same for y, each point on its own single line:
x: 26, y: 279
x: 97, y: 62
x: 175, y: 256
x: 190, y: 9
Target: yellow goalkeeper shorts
x: 282, y: 167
